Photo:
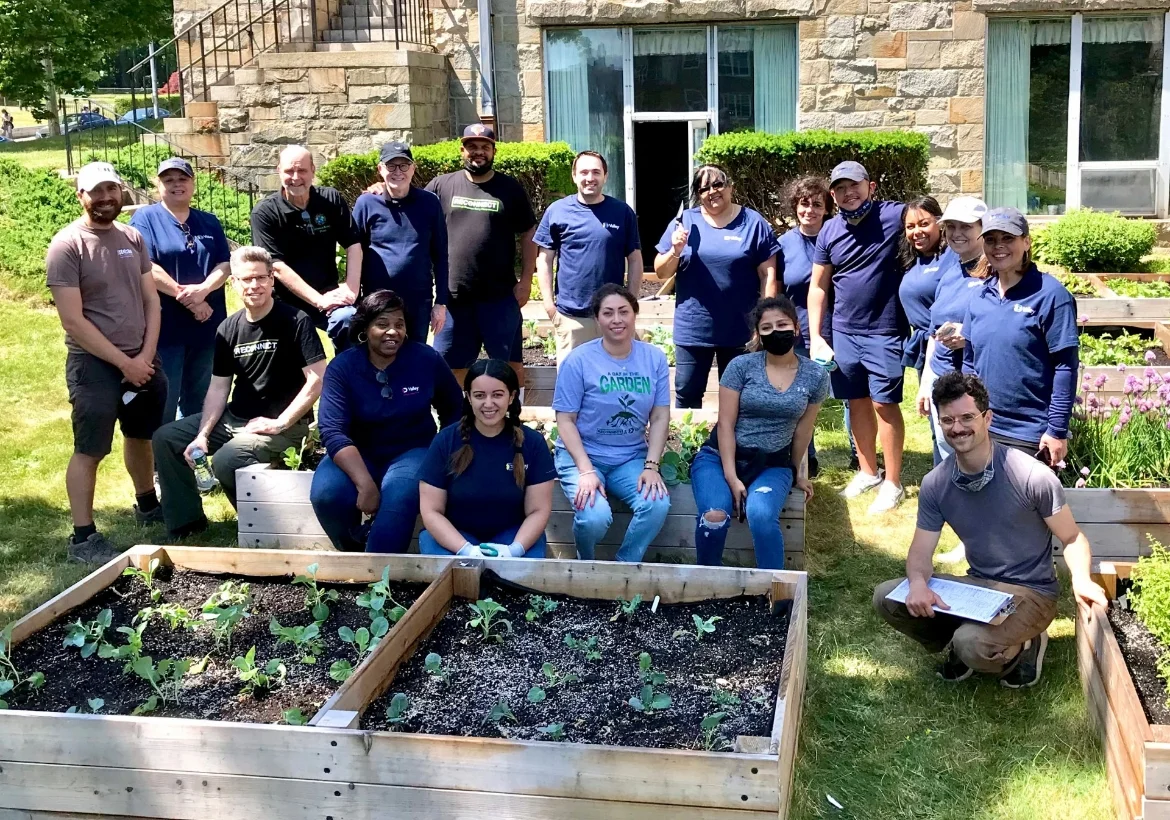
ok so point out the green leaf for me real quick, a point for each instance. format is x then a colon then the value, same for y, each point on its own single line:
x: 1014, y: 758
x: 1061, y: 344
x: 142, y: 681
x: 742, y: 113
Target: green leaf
x: 148, y: 705
x: 95, y: 704
x: 340, y: 670
x: 74, y: 638
x: 660, y: 701
x: 6, y: 686
x: 346, y: 634
x: 72, y: 710
x: 395, y: 614
x: 36, y: 680
x: 321, y: 611
x: 637, y: 704
x: 669, y: 474
x: 379, y: 627
x: 88, y: 649
x: 310, y: 570
x: 399, y: 706
x: 294, y: 717
x: 712, y: 720
x: 536, y: 694
x: 554, y: 730
x: 105, y: 618
x: 644, y: 661
x: 362, y: 637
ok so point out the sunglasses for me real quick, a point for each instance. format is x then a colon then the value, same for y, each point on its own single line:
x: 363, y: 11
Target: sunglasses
x: 384, y: 380
x: 714, y: 186
x: 186, y: 229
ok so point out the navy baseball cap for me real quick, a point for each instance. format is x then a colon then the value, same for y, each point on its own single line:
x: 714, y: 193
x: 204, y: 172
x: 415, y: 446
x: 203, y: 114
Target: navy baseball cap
x: 1008, y: 220
x: 853, y: 171
x: 176, y: 164
x: 479, y: 131
x: 395, y: 150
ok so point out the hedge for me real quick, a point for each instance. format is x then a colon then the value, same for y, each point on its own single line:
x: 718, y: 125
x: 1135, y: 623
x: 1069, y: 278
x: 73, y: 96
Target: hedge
x: 34, y: 205
x: 171, y: 102
x: 762, y: 165
x: 1095, y: 242
x: 543, y: 169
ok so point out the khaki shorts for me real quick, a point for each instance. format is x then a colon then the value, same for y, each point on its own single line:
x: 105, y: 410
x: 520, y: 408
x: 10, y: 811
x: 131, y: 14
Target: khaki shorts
x: 573, y: 331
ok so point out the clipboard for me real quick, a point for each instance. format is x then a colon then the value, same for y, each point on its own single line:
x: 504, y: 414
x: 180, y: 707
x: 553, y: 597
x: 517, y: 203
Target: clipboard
x: 969, y: 601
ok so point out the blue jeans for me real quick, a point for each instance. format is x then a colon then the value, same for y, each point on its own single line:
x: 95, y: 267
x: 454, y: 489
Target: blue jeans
x: 427, y: 544
x: 334, y: 499
x: 765, y: 498
x: 337, y: 327
x: 591, y: 523
x: 692, y: 368
x: 188, y: 372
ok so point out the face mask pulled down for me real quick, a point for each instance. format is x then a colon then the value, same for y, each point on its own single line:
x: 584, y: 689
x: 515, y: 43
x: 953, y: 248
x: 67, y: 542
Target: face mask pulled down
x: 857, y: 214
x: 778, y: 342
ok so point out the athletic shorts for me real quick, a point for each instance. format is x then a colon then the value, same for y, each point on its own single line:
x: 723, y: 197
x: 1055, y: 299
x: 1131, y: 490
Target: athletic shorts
x: 493, y: 326
x: 869, y: 366
x: 100, y: 396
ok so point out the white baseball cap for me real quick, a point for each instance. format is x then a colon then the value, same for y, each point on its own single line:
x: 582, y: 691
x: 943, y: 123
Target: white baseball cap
x: 94, y: 174
x: 966, y: 209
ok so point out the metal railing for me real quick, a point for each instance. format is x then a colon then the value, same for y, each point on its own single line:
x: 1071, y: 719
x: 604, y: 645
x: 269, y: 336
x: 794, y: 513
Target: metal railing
x: 396, y: 21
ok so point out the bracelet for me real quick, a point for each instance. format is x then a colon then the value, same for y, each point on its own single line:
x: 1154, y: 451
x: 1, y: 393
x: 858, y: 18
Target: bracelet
x: 588, y: 472
x: 676, y: 255
x: 651, y: 465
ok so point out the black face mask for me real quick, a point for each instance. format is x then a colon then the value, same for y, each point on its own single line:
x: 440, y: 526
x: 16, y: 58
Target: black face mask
x: 478, y: 170
x: 778, y: 342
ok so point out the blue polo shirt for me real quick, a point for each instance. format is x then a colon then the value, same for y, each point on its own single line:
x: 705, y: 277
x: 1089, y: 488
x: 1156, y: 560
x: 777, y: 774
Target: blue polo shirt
x: 954, y: 293
x: 717, y: 283
x: 919, y: 286
x: 484, y: 499
x: 1011, y: 345
x: 866, y: 273
x: 591, y: 243
x: 794, y: 267
x: 404, y: 245
x: 188, y: 264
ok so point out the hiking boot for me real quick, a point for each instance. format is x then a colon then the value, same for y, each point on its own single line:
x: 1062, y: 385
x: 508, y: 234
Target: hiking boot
x: 888, y: 497
x: 861, y: 483
x: 145, y: 519
x: 954, y: 670
x: 93, y: 550
x: 1029, y: 664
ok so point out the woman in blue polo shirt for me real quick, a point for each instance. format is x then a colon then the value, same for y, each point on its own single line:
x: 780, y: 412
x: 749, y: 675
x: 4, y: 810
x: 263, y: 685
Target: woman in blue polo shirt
x: 190, y: 254
x: 1021, y: 330
x: 487, y: 482
x: 376, y: 424
x: 724, y: 256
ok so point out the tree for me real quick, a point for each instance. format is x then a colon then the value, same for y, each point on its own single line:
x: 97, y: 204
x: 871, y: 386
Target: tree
x: 51, y: 45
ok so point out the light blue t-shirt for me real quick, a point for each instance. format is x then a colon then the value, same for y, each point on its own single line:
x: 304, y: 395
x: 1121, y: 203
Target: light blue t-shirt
x: 612, y: 398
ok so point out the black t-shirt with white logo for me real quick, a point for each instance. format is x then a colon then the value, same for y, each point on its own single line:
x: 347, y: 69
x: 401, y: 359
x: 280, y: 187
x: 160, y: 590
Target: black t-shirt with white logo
x: 266, y: 359
x: 483, y: 220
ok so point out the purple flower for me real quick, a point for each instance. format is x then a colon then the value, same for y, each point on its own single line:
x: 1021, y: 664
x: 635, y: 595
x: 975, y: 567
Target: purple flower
x: 1085, y: 472
x: 1151, y: 373
x: 1117, y: 429
x: 1083, y: 319
x: 1128, y: 388
x: 1080, y: 484
x: 1143, y: 406
x: 1151, y: 356
x: 1078, y: 400
x: 1114, y: 402
x: 1121, y: 368
x: 1100, y: 380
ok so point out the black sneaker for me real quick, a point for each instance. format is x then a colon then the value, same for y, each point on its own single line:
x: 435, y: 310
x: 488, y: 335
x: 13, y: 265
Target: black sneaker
x: 145, y: 519
x: 954, y: 670
x: 854, y: 463
x: 93, y: 550
x: 1029, y: 664
x: 814, y: 467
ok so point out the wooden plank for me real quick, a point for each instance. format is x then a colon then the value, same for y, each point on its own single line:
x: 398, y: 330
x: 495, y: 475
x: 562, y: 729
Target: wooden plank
x: 73, y: 597
x: 1123, y: 542
x: 465, y: 575
x: 786, y: 726
x: 181, y: 795
x: 1122, y: 310
x: 793, y: 557
x: 1155, y: 809
x: 1157, y: 770
x: 337, y: 567
x: 546, y: 415
x: 544, y: 378
x: 1123, y: 506
x: 256, y: 483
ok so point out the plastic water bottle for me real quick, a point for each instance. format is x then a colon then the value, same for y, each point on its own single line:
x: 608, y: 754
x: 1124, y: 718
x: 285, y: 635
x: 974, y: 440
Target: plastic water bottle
x: 204, y: 478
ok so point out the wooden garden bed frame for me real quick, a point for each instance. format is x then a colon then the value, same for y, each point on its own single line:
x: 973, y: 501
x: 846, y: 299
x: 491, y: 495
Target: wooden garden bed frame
x: 540, y: 382
x: 58, y: 766
x: 1107, y: 308
x: 652, y: 312
x: 274, y: 511
x: 1117, y: 521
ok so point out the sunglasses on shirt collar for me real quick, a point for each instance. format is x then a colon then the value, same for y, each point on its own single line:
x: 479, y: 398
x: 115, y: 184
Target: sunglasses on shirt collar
x: 186, y: 229
x: 384, y: 380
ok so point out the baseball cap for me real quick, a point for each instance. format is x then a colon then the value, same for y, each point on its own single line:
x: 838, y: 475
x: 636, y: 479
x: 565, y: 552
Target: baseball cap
x: 966, y: 209
x: 92, y: 175
x: 1008, y: 220
x: 395, y: 150
x: 853, y: 171
x: 176, y: 164
x: 479, y: 131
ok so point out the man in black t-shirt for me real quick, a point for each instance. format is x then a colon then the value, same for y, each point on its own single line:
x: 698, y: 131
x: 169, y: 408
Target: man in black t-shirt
x: 301, y: 225
x: 485, y: 211
x: 272, y: 353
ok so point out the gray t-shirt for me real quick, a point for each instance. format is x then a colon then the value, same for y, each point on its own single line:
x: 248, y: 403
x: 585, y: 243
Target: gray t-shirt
x: 767, y: 416
x: 1002, y: 526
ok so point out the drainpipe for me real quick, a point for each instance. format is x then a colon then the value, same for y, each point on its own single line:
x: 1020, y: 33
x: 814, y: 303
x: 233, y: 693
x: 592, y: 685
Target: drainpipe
x: 487, y: 65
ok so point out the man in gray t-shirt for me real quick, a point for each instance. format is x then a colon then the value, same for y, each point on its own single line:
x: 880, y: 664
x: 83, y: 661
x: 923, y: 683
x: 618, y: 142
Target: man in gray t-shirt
x: 1005, y: 506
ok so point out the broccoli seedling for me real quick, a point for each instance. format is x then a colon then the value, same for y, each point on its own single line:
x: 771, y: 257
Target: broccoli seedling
x: 648, y: 700
x: 538, y: 605
x: 10, y: 676
x: 363, y: 640
x: 627, y: 608
x: 306, y: 639
x: 294, y: 717
x: 536, y: 695
x: 175, y: 616
x: 703, y: 626
x: 500, y: 712
x: 257, y: 678
x: 434, y: 667
x: 587, y: 647
x: 88, y: 637
x: 709, y: 736
x: 492, y: 627
x: 165, y: 678
x: 229, y: 593
x: 225, y: 608
x: 146, y: 576
x: 129, y: 651
x: 340, y: 670
x: 554, y: 731
x: 317, y: 600
x: 398, y: 710
x: 555, y: 678
x: 724, y: 699
x: 374, y: 600
x: 95, y: 705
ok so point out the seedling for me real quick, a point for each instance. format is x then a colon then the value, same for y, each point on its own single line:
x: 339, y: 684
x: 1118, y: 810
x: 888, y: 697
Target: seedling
x: 536, y: 695
x: 554, y: 731
x: 647, y: 672
x: 399, y: 709
x: 703, y: 626
x: 146, y: 576
x: 724, y: 699
x: 317, y: 600
x: 375, y: 599
x: 306, y: 639
x: 550, y: 345
x: 486, y: 620
x: 340, y: 670
x: 10, y: 676
x: 129, y: 651
x: 257, y: 678
x: 709, y: 735
x: 500, y: 712
x: 165, y: 678
x: 587, y: 647
x: 224, y: 621
x: 649, y: 700
x: 228, y: 594
x: 175, y: 616
x: 95, y: 705
x: 538, y: 605
x: 627, y: 608
x: 364, y: 640
x: 555, y: 678
x: 434, y: 667
x: 88, y: 636
x: 294, y: 717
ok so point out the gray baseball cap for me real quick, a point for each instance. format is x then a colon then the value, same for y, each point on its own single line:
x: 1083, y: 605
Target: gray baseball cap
x: 176, y: 164
x: 853, y: 171
x: 1008, y: 220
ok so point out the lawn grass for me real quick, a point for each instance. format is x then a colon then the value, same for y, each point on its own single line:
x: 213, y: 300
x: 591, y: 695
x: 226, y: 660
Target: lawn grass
x: 48, y: 154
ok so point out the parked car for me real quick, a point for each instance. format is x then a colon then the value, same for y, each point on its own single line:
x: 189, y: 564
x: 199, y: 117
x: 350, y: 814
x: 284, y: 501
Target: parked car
x: 140, y: 114
x: 84, y: 121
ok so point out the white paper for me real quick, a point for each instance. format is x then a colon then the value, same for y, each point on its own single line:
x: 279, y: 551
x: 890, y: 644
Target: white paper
x: 965, y: 600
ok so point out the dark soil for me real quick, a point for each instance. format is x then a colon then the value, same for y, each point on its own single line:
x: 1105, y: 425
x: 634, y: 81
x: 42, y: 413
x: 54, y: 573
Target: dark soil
x: 650, y: 286
x: 1141, y: 651
x: 215, y: 693
x: 742, y: 657
x: 535, y: 357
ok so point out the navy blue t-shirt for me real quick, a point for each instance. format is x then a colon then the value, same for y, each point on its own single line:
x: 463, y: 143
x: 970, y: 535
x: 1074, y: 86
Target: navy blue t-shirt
x: 188, y: 263
x: 866, y: 272
x: 794, y: 267
x: 954, y: 293
x: 919, y: 287
x: 404, y: 245
x: 484, y: 500
x: 591, y: 243
x: 717, y: 283
x: 1010, y: 346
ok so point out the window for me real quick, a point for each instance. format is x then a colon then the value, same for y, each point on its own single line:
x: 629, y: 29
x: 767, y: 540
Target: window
x: 757, y: 78
x: 679, y: 54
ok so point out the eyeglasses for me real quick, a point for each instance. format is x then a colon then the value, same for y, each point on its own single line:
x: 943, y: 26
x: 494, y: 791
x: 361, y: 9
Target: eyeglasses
x: 714, y: 186
x: 398, y: 167
x: 186, y: 229
x: 384, y: 380
x: 967, y: 419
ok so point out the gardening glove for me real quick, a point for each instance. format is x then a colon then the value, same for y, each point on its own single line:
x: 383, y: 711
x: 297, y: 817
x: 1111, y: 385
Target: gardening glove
x: 513, y: 550
x: 470, y: 550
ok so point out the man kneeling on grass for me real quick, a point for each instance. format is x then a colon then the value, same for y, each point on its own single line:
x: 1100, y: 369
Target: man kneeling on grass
x: 1005, y: 507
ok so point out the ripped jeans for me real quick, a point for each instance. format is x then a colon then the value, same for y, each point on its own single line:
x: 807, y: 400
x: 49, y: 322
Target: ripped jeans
x: 765, y: 499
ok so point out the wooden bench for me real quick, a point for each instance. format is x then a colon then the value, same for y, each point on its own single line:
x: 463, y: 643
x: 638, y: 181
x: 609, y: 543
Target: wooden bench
x: 541, y: 382
x: 274, y: 511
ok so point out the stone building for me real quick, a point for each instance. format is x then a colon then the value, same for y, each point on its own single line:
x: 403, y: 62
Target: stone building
x: 1041, y: 104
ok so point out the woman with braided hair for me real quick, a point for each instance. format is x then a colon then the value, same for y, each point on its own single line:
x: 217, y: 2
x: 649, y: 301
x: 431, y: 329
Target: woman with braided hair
x: 486, y: 483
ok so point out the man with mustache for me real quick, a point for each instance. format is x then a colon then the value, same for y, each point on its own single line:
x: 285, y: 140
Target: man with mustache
x: 100, y: 275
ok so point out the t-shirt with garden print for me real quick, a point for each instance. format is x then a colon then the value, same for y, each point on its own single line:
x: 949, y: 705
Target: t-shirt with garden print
x: 612, y: 398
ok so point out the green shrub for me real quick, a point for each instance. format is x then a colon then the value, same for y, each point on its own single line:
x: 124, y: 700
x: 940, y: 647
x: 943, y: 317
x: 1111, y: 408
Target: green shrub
x: 543, y: 169
x: 762, y: 165
x: 34, y: 205
x: 1150, y: 596
x: 171, y: 102
x: 1095, y: 242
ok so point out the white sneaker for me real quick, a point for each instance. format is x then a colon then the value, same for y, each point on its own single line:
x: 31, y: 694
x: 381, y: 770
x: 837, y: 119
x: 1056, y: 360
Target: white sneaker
x: 861, y: 483
x: 952, y: 556
x: 888, y: 497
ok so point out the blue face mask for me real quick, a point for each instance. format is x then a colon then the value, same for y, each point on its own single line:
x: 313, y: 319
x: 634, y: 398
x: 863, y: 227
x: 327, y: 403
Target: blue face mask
x: 861, y: 211
x: 972, y: 483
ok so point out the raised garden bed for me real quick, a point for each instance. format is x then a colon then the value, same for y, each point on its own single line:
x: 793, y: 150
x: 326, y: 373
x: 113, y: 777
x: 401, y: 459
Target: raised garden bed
x: 192, y: 769
x: 1100, y: 358
x: 1118, y: 521
x: 541, y: 382
x: 652, y: 311
x: 1099, y: 303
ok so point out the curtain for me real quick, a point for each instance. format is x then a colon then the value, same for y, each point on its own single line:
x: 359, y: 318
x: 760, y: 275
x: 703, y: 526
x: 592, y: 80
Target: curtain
x: 1008, y: 89
x: 775, y: 52
x: 568, y: 92
x: 1049, y: 32
x: 1122, y: 30
x: 668, y: 42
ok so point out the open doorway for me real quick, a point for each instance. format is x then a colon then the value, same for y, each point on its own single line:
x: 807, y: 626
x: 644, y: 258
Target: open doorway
x: 661, y: 164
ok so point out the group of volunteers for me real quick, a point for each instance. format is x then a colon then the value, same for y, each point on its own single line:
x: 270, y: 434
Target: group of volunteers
x: 842, y: 303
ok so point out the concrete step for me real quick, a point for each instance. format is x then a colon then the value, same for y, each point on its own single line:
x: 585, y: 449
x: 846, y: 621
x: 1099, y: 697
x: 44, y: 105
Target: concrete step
x: 360, y: 10
x: 361, y: 35
x: 201, y: 109
x: 365, y: 23
x: 375, y: 47
x: 224, y: 93
x: 380, y: 57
